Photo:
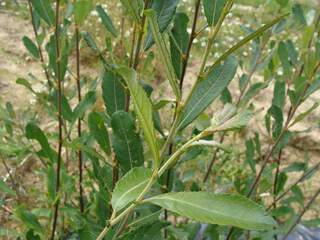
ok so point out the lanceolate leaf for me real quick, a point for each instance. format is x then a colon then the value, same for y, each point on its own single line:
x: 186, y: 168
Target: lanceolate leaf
x: 179, y: 40
x: 133, y: 7
x: 221, y: 209
x: 113, y: 92
x: 164, y: 10
x: 212, y: 10
x: 99, y: 131
x: 34, y: 132
x: 44, y: 10
x: 238, y: 121
x: 207, y: 90
x: 88, y: 100
x: 67, y: 113
x: 5, y: 189
x: 143, y: 109
x: 29, y: 219
x: 106, y: 21
x: 129, y: 187
x: 31, y: 47
x: 82, y: 9
x: 163, y: 51
x: 126, y: 141
x: 244, y: 41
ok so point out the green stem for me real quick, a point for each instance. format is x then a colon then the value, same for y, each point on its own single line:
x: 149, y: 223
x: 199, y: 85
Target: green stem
x: 213, y: 34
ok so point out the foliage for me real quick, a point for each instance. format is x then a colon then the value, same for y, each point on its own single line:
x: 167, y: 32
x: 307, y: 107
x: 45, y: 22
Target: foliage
x: 125, y: 159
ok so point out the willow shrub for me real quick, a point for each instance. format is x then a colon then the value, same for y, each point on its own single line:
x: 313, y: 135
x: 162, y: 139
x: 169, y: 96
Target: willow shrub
x: 120, y: 171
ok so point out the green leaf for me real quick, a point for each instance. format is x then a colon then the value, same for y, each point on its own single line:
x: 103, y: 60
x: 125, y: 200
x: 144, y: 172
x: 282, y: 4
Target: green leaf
x: 164, y: 12
x: 82, y: 9
x: 283, y: 3
x: 303, y: 115
x: 106, y: 21
x: 244, y: 41
x: 31, y: 47
x: 86, y: 103
x: 134, y: 8
x: 207, y: 90
x: 143, y: 109
x: 279, y: 94
x: 29, y: 219
x: 221, y: 209
x: 213, y: 10
x: 34, y: 132
x: 99, y: 131
x: 163, y: 51
x: 284, y: 59
x: 113, y: 92
x: 44, y: 10
x: 25, y: 83
x: 129, y: 187
x: 238, y: 121
x: 126, y: 141
x: 179, y: 40
x: 67, y: 113
x: 5, y: 189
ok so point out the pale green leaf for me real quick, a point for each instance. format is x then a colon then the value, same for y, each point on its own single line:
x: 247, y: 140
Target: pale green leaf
x: 82, y: 9
x: 143, y: 109
x: 221, y: 209
x: 5, y: 189
x: 129, y: 187
x: 163, y: 51
x: 303, y: 115
x: 238, y: 121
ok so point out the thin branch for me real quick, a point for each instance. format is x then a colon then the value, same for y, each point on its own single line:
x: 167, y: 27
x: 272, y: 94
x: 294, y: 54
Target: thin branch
x: 304, y: 210
x: 60, y: 122
x: 79, y: 153
x: 38, y: 45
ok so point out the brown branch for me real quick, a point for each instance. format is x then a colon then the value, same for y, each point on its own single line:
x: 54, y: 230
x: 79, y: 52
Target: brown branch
x: 60, y: 121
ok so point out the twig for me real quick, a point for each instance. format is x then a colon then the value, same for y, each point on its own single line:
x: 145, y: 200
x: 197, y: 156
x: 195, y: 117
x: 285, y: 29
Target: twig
x: 304, y: 210
x: 60, y: 143
x: 79, y: 120
x: 39, y: 46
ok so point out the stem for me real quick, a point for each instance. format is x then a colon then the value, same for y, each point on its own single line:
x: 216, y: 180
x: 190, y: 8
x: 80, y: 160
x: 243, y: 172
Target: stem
x: 304, y: 210
x: 192, y: 37
x: 114, y: 220
x: 59, y: 80
x: 79, y: 120
x: 141, y: 33
x: 285, y: 192
x: 39, y: 46
x: 213, y: 33
x: 275, y: 182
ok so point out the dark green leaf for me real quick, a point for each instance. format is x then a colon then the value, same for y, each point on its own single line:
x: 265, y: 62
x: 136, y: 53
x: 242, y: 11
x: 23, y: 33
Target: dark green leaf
x: 45, y: 11
x: 86, y: 103
x: 99, y: 131
x: 29, y: 220
x: 212, y: 10
x: 207, y: 90
x: 126, y: 141
x: 164, y: 11
x: 31, y: 47
x: 179, y: 40
x: 66, y: 110
x: 106, y: 21
x: 113, y: 92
